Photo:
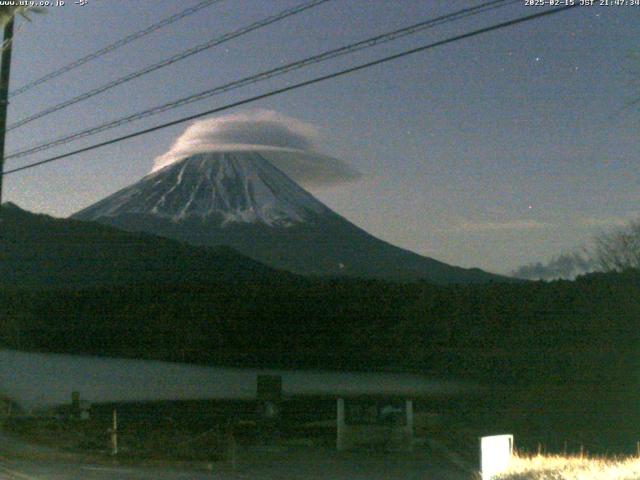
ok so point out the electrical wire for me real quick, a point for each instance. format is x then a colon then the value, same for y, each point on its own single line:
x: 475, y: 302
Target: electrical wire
x: 296, y: 86
x: 169, y: 61
x: 328, y: 55
x: 110, y: 48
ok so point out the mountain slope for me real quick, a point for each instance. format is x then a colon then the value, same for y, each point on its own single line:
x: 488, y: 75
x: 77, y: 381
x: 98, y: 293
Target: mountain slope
x: 41, y: 251
x: 240, y: 200
x: 221, y: 189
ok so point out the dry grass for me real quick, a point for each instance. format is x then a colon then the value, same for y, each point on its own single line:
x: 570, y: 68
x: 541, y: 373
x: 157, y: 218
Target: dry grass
x: 557, y: 467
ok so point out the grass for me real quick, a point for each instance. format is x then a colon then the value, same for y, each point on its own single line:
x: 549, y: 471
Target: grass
x: 558, y: 467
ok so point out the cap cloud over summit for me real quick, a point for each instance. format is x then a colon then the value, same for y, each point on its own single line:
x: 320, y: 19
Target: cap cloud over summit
x: 288, y: 143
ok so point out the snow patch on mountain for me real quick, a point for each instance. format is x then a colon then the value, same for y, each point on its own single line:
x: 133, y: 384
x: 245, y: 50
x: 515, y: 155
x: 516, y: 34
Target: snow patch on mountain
x: 224, y: 187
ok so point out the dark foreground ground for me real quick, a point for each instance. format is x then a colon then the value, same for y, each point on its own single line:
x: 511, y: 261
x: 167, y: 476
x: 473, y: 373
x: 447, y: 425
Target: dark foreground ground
x: 20, y: 461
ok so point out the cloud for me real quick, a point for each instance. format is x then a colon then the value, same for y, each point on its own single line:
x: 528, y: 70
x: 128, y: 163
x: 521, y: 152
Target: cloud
x: 612, y: 221
x: 288, y: 143
x: 466, y: 226
x: 566, y: 265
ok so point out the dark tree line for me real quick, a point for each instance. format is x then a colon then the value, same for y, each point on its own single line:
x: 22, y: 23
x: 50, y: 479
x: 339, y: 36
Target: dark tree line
x: 553, y: 355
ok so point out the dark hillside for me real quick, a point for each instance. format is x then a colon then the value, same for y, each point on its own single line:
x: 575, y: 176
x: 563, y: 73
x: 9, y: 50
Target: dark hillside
x: 42, y: 251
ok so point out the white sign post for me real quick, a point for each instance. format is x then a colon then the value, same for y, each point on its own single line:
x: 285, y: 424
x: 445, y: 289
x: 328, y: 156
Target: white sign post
x: 495, y: 455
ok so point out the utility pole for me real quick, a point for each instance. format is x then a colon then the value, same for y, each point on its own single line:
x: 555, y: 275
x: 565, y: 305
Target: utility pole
x: 114, y: 433
x: 5, y: 69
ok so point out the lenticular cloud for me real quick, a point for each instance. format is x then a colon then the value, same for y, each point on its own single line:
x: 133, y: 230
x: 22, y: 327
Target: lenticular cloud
x: 288, y: 143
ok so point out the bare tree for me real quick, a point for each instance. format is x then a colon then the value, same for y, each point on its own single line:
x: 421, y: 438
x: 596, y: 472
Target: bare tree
x: 618, y: 249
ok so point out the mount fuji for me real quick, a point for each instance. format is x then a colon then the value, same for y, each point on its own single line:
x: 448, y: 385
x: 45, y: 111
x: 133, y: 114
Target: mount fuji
x: 241, y: 200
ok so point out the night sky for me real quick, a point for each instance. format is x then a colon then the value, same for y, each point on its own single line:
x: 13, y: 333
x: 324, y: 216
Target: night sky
x: 497, y: 151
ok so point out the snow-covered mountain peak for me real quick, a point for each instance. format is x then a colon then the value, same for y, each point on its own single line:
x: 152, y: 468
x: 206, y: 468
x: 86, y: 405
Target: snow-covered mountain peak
x: 223, y: 187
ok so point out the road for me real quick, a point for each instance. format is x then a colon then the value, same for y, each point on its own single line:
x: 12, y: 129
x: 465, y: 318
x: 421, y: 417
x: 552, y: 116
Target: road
x: 308, y: 468
x: 46, y: 470
x: 293, y: 463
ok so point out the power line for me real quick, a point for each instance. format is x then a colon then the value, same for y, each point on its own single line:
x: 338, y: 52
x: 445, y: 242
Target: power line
x: 171, y: 60
x: 299, y: 85
x: 110, y: 48
x: 328, y: 55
